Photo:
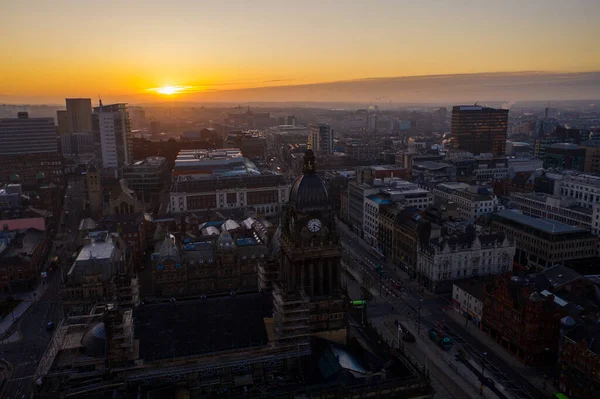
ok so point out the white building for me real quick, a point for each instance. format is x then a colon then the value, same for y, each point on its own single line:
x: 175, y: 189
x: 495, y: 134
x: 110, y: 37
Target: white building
x: 467, y: 299
x: 472, y: 201
x: 321, y: 136
x: 544, y: 206
x: 463, y: 255
x: 519, y: 164
x: 112, y: 129
x: 583, y: 188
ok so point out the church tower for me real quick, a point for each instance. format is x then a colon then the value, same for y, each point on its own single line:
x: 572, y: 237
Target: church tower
x: 309, y: 300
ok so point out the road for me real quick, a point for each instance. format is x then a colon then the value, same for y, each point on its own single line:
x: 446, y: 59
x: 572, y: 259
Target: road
x: 24, y: 354
x: 409, y: 301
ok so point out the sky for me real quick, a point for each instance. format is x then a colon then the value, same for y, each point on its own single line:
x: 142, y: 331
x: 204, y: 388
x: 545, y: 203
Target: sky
x: 131, y: 48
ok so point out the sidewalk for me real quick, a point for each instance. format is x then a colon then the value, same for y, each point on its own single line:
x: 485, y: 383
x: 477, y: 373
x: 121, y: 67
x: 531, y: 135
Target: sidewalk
x: 532, y: 375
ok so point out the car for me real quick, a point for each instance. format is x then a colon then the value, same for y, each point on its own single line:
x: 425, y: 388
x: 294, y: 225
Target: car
x: 396, y: 284
x: 50, y: 326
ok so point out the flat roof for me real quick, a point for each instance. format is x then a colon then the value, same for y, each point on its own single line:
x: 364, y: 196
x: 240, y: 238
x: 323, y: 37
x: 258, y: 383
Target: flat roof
x: 185, y: 328
x: 380, y: 200
x: 544, y: 225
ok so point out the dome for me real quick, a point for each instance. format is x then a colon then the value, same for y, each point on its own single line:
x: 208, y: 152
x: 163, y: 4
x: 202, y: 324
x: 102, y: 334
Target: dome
x: 94, y: 341
x: 15, y: 177
x: 40, y: 176
x: 308, y: 191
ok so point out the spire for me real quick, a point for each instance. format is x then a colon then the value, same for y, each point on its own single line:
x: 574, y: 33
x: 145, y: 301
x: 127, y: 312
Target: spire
x: 309, y: 162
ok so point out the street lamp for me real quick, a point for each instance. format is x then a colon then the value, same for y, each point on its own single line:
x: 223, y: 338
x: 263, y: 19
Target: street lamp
x: 482, y: 371
x: 419, y: 322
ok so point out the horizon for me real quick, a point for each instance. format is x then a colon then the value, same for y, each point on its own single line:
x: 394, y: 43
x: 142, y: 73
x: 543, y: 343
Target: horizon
x: 154, y: 53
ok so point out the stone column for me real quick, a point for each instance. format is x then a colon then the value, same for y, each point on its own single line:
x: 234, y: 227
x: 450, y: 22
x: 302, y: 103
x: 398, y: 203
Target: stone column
x: 320, y: 265
x: 311, y: 288
x: 330, y: 267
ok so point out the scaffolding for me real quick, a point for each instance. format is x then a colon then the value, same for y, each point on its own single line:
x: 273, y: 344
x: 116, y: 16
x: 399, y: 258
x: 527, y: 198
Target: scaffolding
x: 291, y: 316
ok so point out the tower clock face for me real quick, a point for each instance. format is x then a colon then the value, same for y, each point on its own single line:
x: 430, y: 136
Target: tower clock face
x: 314, y: 225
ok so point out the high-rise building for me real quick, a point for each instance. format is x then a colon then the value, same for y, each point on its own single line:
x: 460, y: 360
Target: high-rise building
x: 79, y: 115
x: 321, y: 136
x: 29, y: 150
x: 112, y: 130
x: 62, y: 125
x: 479, y: 129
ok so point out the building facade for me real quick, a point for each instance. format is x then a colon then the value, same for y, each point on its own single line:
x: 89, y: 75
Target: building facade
x: 25, y: 135
x: 542, y: 243
x: 480, y: 129
x: 563, y: 156
x: 461, y: 256
x: 545, y: 206
x: 473, y: 202
x: 112, y: 131
x: 79, y: 115
x: 321, y: 137
x: 265, y: 193
x: 521, y: 320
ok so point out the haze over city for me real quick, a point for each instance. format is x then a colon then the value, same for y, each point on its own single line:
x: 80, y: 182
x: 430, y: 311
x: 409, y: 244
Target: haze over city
x: 148, y: 51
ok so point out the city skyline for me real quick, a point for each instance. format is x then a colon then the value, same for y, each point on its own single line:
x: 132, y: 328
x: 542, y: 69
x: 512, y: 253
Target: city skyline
x: 155, y: 53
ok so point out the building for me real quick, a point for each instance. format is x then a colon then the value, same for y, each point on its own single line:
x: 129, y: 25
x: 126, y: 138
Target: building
x: 400, y: 232
x: 223, y: 179
x: 227, y: 265
x: 592, y: 156
x: 544, y: 206
x: 22, y: 258
x: 30, y: 147
x: 321, y: 138
x: 524, y: 164
x: 462, y: 255
x: 74, y: 144
x: 579, y: 359
x: 79, y: 115
x: 563, y: 156
x: 430, y: 171
x: 25, y: 135
x: 264, y: 193
x: 584, y: 189
x: 480, y: 129
x: 472, y: 201
x: 112, y: 130
x: 10, y: 196
x: 467, y: 299
x: 100, y: 269
x: 521, y: 319
x: 542, y: 243
x: 373, y: 203
x: 147, y: 176
x: 309, y: 299
x: 62, y: 126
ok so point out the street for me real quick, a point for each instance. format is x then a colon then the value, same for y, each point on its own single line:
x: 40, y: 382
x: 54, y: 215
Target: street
x: 32, y: 335
x: 409, y: 301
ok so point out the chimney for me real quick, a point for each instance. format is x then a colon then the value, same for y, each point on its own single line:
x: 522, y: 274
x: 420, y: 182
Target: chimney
x: 23, y: 115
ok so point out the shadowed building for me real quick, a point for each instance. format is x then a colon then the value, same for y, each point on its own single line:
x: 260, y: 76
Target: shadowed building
x: 480, y: 129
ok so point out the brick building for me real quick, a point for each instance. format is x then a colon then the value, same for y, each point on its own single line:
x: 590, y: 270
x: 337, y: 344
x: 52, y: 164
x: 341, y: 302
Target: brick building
x: 579, y: 362
x: 521, y: 319
x: 22, y: 257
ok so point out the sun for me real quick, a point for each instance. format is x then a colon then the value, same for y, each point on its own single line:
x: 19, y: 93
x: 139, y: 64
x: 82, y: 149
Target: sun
x: 169, y: 90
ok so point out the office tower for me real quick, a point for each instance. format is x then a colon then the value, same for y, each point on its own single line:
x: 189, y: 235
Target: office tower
x: 29, y: 149
x: 79, y: 115
x: 112, y: 131
x: 480, y: 129
x: 62, y: 126
x: 25, y: 135
x: 321, y: 137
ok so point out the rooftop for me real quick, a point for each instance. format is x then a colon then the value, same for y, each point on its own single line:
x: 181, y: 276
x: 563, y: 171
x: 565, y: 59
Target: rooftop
x: 178, y: 329
x: 587, y: 334
x: 559, y: 275
x: 380, y: 200
x: 544, y: 225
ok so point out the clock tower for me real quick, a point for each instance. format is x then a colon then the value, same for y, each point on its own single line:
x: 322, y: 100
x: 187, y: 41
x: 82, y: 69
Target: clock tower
x: 309, y: 300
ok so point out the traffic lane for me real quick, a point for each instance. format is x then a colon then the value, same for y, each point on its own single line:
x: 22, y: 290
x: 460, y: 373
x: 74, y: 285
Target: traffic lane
x: 513, y: 375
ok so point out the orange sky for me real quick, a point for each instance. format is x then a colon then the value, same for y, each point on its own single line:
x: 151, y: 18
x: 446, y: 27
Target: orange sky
x: 69, y: 48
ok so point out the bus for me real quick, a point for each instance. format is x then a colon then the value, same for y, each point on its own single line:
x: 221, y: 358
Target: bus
x: 438, y: 336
